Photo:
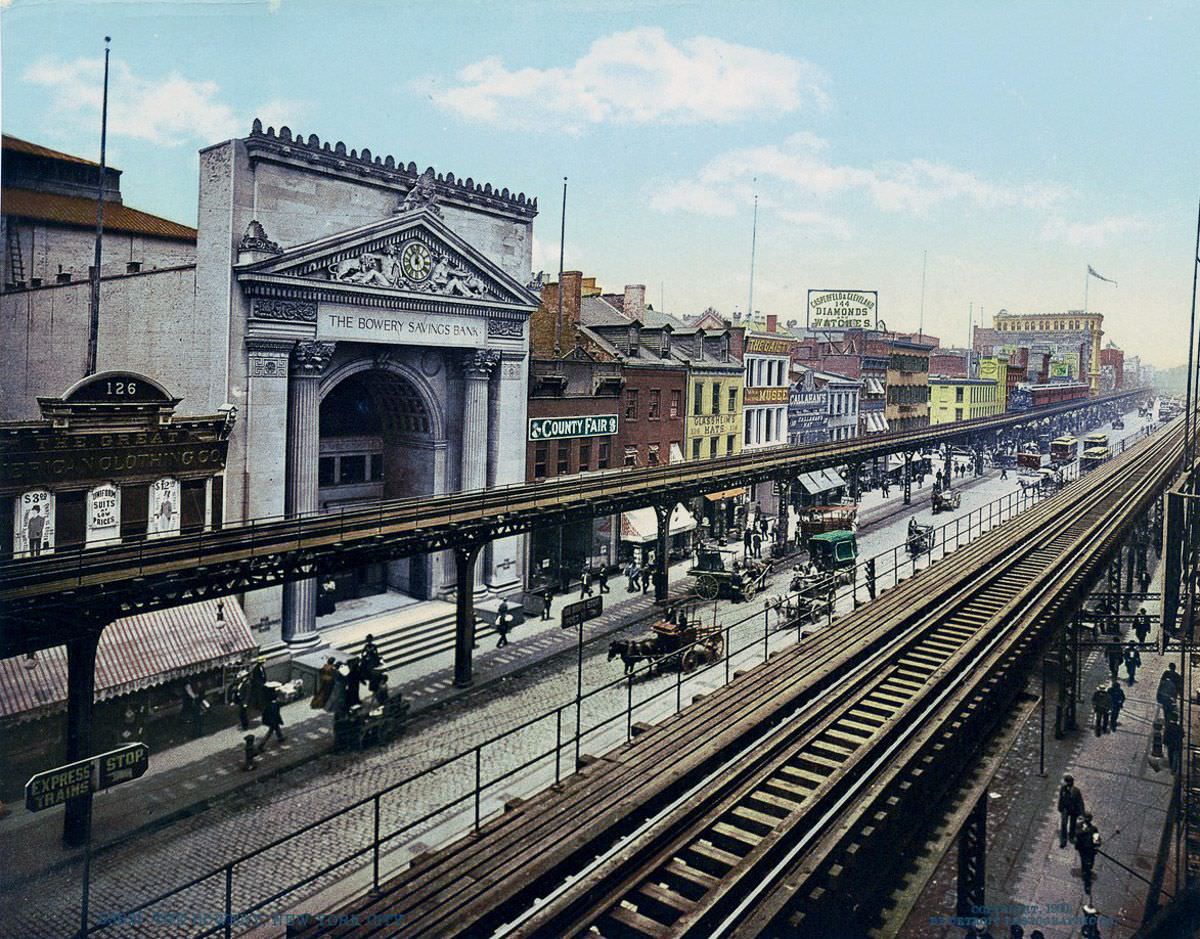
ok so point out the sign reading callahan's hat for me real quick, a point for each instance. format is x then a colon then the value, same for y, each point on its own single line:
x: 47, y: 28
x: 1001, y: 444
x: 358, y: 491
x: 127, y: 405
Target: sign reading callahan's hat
x: 591, y: 425
x: 843, y: 309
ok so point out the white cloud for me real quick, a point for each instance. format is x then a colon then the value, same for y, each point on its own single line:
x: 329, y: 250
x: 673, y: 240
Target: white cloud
x: 816, y: 223
x: 1090, y: 234
x: 637, y: 77
x: 167, y: 111
x: 799, y: 172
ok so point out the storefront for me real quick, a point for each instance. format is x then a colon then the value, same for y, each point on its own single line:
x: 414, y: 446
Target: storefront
x: 639, y: 534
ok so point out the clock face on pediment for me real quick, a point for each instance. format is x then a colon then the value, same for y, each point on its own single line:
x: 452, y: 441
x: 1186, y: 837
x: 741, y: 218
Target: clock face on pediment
x: 416, y: 262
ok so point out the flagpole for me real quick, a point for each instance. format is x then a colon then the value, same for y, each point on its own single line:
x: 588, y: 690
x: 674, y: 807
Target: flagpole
x: 1087, y: 278
x: 753, y: 247
x: 94, y: 320
x: 562, y: 248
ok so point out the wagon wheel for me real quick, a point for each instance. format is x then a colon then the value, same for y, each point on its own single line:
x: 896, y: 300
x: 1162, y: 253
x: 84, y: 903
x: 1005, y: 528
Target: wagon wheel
x: 691, y: 659
x: 707, y: 587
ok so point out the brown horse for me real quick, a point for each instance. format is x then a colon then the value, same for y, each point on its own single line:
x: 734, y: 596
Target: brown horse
x: 633, y: 651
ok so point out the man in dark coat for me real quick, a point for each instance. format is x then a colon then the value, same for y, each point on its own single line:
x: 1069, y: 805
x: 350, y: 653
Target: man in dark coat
x: 1133, y: 658
x: 602, y: 579
x: 1101, y: 705
x: 503, y: 622
x: 747, y: 541
x: 272, y: 720
x: 1168, y: 687
x: 1116, y: 701
x: 258, y: 684
x: 1173, y: 741
x: 757, y: 540
x: 1087, y: 842
x: 585, y: 583
x: 1141, y: 625
x: 371, y: 662
x: 353, y: 682
x: 547, y: 598
x: 1115, y: 656
x: 1070, y: 807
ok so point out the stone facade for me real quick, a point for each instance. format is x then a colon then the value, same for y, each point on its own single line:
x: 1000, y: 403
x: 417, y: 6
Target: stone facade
x: 1070, y: 336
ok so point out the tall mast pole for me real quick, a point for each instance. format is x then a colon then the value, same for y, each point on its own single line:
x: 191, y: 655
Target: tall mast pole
x: 753, y: 247
x: 562, y: 247
x: 1189, y: 446
x: 94, y: 321
x: 921, y: 326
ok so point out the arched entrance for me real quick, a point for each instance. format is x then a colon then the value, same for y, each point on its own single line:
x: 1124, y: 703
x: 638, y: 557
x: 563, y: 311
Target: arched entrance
x: 380, y: 438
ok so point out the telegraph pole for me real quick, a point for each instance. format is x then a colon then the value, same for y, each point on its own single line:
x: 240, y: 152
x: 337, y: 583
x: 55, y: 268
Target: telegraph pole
x: 94, y: 323
x: 562, y: 247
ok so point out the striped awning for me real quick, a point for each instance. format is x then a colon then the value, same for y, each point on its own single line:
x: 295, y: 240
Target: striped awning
x: 134, y: 653
x: 641, y: 525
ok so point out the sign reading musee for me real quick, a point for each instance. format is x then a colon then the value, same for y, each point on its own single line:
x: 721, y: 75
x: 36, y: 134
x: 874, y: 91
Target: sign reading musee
x: 843, y: 309
x: 401, y: 327
x: 56, y: 786
x: 552, y: 428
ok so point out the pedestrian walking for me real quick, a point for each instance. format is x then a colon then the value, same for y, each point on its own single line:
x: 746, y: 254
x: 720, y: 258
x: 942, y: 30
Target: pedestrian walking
x: 602, y: 579
x: 1087, y: 842
x: 757, y: 545
x: 503, y: 624
x: 258, y: 684
x: 937, y: 481
x: 352, y: 695
x: 1100, y: 707
x: 1004, y: 472
x: 1070, y: 807
x: 1091, y: 923
x: 585, y: 583
x: 747, y: 541
x: 1168, y: 688
x: 1116, y: 701
x: 272, y: 720
x: 324, y: 687
x: 647, y: 576
x: 1144, y: 577
x: 1141, y: 625
x: 1133, y: 658
x: 193, y: 708
x: 248, y: 753
x: 1115, y: 657
x: 240, y: 695
x: 1173, y: 741
x: 371, y: 662
x: 886, y: 487
x: 547, y: 598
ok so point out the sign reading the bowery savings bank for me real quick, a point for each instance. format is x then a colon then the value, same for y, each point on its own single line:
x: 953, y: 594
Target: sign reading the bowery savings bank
x: 552, y: 428
x: 843, y: 309
x: 401, y: 327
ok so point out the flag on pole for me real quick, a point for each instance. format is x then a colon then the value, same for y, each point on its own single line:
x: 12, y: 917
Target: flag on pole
x: 1092, y: 273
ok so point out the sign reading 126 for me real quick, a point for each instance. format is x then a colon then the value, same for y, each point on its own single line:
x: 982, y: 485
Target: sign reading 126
x: 416, y: 261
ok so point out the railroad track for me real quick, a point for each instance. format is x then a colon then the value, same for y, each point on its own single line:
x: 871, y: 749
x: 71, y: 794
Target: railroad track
x: 797, y: 789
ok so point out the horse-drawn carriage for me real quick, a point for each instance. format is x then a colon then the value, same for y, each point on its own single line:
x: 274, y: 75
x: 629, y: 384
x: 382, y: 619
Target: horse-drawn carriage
x: 819, y: 519
x: 946, y: 500
x: 719, y: 571
x: 921, y: 538
x: 679, y: 643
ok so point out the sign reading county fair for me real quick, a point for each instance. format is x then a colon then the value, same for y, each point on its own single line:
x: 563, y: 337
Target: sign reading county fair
x: 843, y: 309
x: 552, y: 428
x: 56, y: 786
x: 401, y: 327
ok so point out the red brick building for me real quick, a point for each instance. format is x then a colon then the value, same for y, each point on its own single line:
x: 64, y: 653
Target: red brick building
x: 1113, y: 358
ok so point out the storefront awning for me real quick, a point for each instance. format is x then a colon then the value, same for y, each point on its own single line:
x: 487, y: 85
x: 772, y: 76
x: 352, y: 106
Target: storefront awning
x: 725, y: 494
x: 872, y: 386
x: 135, y: 653
x: 641, y: 525
x: 676, y: 454
x: 876, y: 423
x: 821, y: 481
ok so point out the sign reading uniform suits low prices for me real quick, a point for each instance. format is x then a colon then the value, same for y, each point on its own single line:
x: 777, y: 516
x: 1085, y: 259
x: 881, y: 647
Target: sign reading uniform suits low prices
x: 592, y: 425
x: 103, y: 514
x: 843, y: 309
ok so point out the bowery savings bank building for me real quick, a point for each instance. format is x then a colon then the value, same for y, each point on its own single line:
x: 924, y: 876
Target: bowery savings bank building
x: 364, y: 323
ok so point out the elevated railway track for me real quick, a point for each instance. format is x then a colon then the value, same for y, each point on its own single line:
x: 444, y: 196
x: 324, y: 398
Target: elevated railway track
x: 779, y: 804
x: 45, y: 601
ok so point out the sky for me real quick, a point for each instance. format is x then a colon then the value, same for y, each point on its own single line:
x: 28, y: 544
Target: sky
x: 992, y: 150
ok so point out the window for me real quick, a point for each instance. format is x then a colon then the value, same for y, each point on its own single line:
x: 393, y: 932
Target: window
x: 676, y: 401
x: 730, y: 443
x: 352, y: 469
x: 732, y: 400
x: 585, y: 455
x: 696, y: 449
x: 716, y: 397
x: 698, y: 398
x: 325, y: 471
x: 652, y: 455
x: 652, y: 413
x: 539, y: 461
x: 770, y: 424
x: 631, y: 404
x: 958, y: 395
x: 602, y: 458
x: 376, y: 467
x: 564, y: 457
x: 712, y: 446
x: 631, y: 456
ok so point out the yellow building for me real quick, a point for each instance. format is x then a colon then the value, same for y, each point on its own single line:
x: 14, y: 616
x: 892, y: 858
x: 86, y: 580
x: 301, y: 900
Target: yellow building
x: 714, y: 411
x: 962, y: 399
x: 995, y: 368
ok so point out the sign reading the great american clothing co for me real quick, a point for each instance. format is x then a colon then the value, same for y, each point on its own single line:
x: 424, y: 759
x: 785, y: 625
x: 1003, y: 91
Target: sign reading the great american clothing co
x: 552, y: 428
x: 401, y: 327
x: 73, y: 457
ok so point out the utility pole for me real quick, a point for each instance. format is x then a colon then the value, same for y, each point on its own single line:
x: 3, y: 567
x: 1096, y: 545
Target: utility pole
x: 921, y: 326
x: 562, y: 247
x: 753, y: 246
x: 94, y: 321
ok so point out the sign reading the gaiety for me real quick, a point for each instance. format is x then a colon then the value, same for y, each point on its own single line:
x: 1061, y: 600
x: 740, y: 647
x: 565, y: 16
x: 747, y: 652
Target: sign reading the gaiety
x: 553, y: 428
x: 56, y: 786
x: 843, y: 309
x: 760, y: 345
x: 401, y: 327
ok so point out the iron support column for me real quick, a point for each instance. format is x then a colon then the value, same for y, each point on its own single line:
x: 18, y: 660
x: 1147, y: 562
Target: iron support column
x: 972, y: 860
x: 477, y: 370
x: 464, y: 613
x: 907, y: 478
x: 661, y: 566
x: 81, y: 693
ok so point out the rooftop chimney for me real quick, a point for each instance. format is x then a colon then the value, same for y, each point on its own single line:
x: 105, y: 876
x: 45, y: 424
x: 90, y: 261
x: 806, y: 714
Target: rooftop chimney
x: 635, y: 302
x: 772, y: 322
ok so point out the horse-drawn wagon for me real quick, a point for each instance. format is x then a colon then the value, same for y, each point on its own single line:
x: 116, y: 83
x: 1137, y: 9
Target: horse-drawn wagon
x: 678, y: 643
x: 719, y: 571
x: 946, y: 500
x: 921, y: 538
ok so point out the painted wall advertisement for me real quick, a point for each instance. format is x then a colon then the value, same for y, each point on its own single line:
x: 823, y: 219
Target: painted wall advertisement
x: 163, y: 517
x: 33, y: 524
x: 103, y: 514
x: 843, y: 309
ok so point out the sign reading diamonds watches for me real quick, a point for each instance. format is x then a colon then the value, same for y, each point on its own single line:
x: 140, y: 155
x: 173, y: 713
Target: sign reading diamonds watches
x: 552, y: 428
x: 843, y: 309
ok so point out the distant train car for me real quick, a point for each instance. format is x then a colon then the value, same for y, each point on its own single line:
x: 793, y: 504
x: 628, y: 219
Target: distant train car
x: 1052, y: 393
x: 1096, y: 441
x: 1092, y: 458
x: 1064, y: 449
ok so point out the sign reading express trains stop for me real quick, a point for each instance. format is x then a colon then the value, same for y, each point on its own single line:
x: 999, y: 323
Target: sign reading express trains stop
x: 592, y: 425
x: 95, y: 774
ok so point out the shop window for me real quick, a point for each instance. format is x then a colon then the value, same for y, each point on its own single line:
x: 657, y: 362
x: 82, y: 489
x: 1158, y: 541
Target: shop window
x: 712, y: 446
x: 652, y: 454
x: 585, y: 455
x: 376, y: 467
x: 352, y: 469
x: 698, y: 398
x: 631, y: 456
x: 539, y: 461
x: 135, y: 505
x: 696, y: 449
x: 631, y: 404
x: 676, y: 401
x: 730, y: 443
x: 218, y: 502
x: 602, y: 457
x: 191, y: 509
x: 69, y: 526
x: 563, y: 466
x: 326, y: 471
x: 652, y: 407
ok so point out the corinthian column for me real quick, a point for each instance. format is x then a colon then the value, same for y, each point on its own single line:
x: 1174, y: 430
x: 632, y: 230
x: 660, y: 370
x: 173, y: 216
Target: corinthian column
x: 477, y: 371
x: 304, y: 408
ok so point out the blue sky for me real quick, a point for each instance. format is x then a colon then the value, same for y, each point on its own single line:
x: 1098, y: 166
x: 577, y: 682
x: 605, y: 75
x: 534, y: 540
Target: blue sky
x: 1015, y: 142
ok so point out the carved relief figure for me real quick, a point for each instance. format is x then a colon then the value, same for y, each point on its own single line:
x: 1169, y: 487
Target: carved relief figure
x: 452, y: 279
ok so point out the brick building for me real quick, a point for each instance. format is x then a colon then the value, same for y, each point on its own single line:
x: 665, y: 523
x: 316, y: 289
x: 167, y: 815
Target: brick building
x: 1112, y: 368
x: 907, y: 405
